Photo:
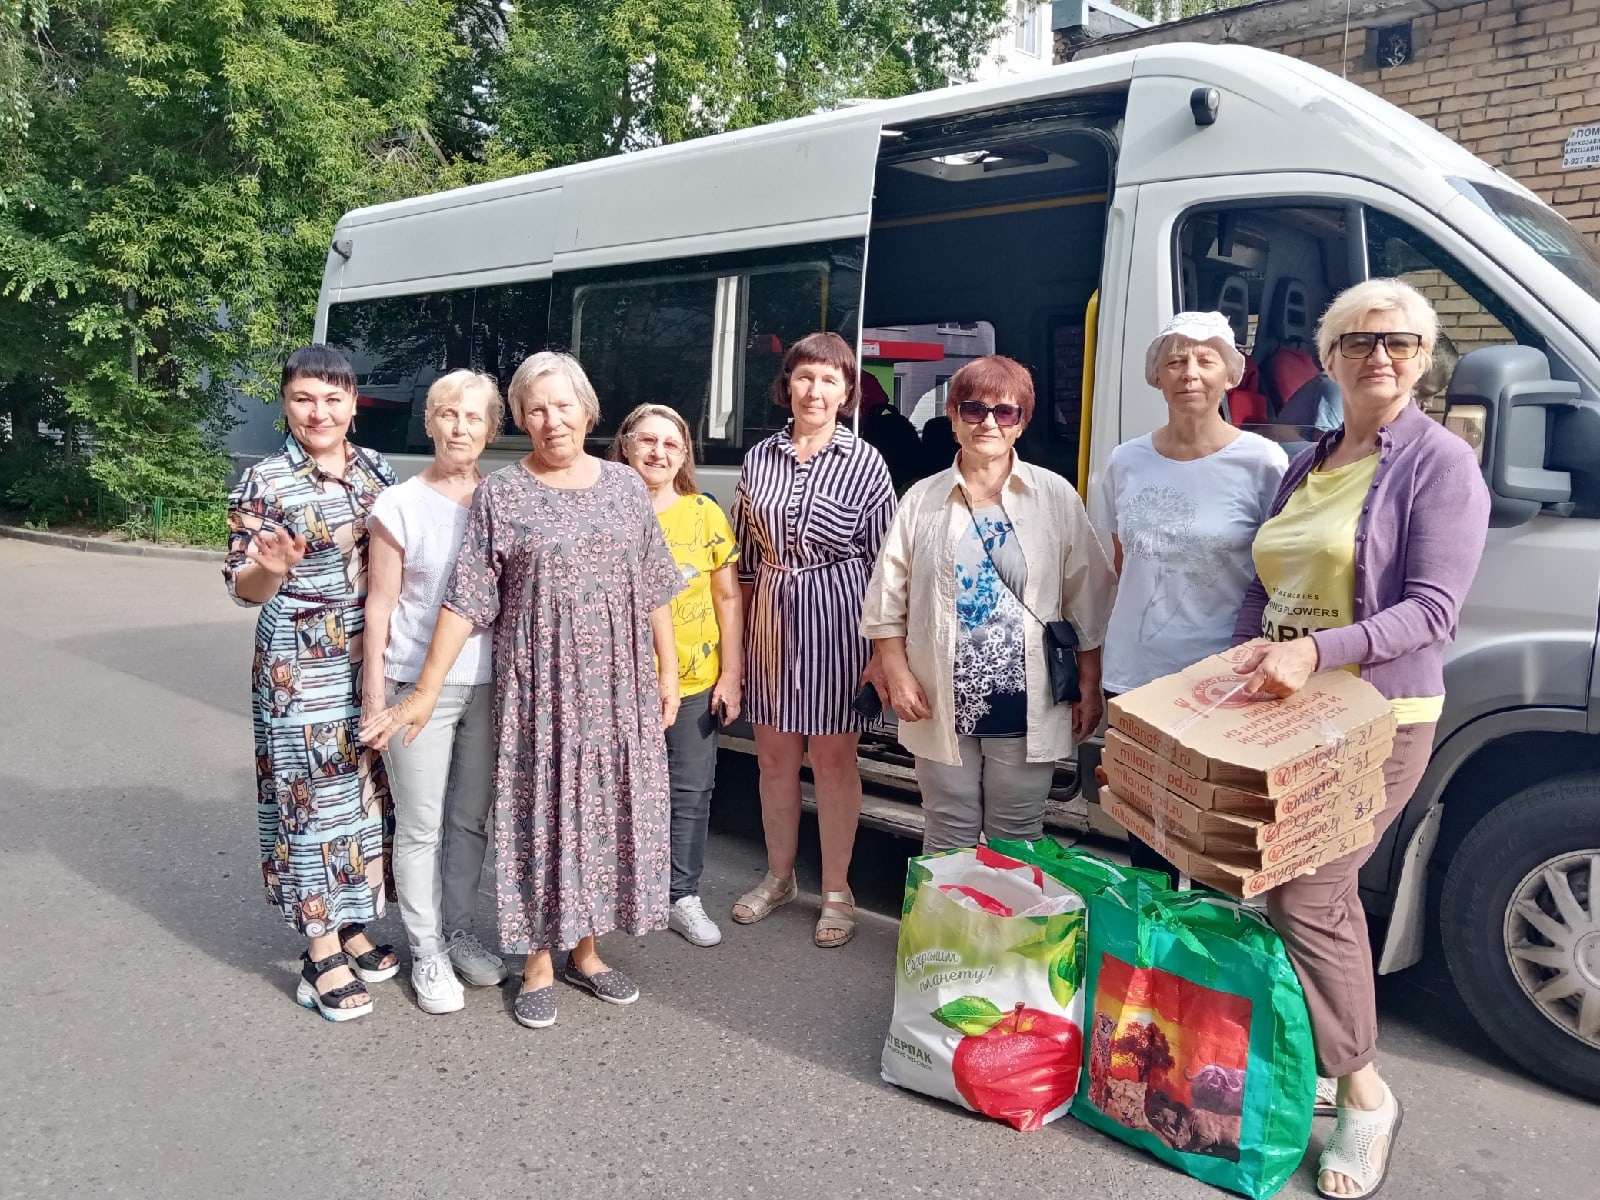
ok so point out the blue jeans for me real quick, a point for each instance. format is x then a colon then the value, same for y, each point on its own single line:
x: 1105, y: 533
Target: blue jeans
x: 691, y: 775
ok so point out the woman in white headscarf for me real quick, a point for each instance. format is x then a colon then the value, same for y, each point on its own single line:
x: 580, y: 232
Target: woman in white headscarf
x: 1182, y: 506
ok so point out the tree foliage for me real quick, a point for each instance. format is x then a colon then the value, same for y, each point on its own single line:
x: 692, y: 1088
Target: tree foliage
x: 585, y: 78
x: 171, y: 170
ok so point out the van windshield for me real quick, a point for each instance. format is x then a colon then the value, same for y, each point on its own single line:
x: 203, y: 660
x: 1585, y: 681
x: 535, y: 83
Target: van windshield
x: 1543, y: 229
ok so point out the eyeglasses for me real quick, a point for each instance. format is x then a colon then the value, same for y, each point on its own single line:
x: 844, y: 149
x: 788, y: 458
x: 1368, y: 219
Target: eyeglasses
x: 1400, y: 346
x: 976, y: 412
x: 648, y: 441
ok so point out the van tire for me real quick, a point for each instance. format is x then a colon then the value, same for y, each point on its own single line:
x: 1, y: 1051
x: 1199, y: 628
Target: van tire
x: 1548, y: 823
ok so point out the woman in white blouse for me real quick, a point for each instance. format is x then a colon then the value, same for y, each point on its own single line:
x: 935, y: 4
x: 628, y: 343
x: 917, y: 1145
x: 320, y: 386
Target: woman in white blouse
x: 440, y: 777
x: 979, y: 556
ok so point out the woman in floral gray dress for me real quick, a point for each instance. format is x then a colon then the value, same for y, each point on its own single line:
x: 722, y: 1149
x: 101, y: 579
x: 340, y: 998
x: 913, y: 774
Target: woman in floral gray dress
x: 565, y: 560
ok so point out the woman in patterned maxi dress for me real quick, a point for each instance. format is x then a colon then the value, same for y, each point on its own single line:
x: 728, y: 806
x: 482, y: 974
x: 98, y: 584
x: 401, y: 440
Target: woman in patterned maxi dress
x: 565, y: 560
x: 298, y: 548
x: 812, y: 507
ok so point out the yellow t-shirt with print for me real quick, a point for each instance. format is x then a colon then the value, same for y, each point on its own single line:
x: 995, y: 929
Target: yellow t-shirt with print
x: 701, y: 541
x: 1306, y: 557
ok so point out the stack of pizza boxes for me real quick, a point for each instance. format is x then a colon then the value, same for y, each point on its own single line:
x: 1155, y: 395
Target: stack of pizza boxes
x: 1242, y: 793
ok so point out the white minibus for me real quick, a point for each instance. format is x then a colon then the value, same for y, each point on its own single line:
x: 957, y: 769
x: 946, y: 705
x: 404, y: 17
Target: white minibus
x: 1063, y: 218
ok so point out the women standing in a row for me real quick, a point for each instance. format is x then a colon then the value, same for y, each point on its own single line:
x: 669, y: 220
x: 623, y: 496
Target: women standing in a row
x: 441, y: 778
x: 811, y: 510
x: 565, y: 561
x: 978, y: 558
x: 298, y: 547
x: 708, y: 618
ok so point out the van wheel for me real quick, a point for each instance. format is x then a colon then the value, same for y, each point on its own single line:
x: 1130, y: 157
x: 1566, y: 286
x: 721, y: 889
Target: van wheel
x: 1520, y: 920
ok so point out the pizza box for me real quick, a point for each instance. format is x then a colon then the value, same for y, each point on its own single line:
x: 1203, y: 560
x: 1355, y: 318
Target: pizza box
x: 1239, y: 841
x: 1219, y: 797
x: 1205, y: 830
x: 1200, y: 720
x: 1231, y: 877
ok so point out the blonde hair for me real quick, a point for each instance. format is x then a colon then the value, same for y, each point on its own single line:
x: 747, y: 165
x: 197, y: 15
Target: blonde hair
x: 449, y: 389
x: 683, y: 482
x: 553, y: 362
x: 1378, y: 295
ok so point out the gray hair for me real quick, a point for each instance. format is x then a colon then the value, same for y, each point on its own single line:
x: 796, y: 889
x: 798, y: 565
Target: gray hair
x: 552, y: 362
x: 451, y: 388
x: 1378, y: 295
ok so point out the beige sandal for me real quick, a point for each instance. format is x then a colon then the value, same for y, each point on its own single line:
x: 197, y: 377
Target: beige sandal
x: 835, y: 920
x: 767, y: 895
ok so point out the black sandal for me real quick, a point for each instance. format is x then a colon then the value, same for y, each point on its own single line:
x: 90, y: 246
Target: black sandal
x: 368, y: 966
x: 328, y: 1003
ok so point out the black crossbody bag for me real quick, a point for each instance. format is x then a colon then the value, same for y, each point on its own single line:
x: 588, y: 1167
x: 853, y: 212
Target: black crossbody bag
x: 1060, y: 638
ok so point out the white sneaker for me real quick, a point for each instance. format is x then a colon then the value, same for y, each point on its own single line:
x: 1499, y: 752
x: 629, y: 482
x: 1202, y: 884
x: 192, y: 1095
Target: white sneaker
x: 473, y: 963
x: 438, y: 990
x: 688, y: 917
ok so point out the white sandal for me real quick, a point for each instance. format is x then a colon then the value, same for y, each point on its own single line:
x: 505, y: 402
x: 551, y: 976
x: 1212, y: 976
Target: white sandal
x: 1327, y: 1101
x: 767, y: 895
x: 1349, y: 1150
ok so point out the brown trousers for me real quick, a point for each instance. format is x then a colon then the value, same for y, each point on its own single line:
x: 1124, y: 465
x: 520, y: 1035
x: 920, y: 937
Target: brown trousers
x: 1324, y: 927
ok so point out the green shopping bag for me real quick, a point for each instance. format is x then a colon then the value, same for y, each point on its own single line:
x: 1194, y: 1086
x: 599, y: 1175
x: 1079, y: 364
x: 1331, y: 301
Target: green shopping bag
x: 1199, y: 1047
x: 1087, y: 874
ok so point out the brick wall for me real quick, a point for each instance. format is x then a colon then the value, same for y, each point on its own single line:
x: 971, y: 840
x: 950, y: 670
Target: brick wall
x: 1507, y: 79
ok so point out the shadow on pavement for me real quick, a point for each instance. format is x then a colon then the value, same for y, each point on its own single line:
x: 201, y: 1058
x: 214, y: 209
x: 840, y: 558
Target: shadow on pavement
x: 181, y: 660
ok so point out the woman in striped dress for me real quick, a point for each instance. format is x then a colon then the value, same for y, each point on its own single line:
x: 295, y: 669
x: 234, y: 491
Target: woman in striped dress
x: 813, y: 504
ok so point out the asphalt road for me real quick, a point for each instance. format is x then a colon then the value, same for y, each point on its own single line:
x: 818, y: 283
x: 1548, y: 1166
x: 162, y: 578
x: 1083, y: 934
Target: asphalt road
x: 150, y: 1045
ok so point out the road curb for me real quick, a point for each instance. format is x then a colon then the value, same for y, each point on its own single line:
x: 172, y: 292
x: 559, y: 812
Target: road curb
x: 96, y: 546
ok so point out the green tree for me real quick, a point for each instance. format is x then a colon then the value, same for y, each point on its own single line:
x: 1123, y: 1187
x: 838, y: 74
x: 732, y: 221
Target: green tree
x: 163, y: 233
x: 585, y: 78
x: 170, y: 170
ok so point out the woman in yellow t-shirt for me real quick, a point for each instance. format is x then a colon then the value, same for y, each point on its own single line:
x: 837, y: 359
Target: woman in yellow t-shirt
x: 708, y: 617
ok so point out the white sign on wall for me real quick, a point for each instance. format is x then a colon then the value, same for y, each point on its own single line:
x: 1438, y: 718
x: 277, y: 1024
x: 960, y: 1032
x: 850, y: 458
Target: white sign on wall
x: 1582, y: 148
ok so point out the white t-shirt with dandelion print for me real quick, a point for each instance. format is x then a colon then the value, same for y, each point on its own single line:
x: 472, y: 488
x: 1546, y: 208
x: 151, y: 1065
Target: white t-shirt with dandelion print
x: 991, y: 679
x: 1186, y: 529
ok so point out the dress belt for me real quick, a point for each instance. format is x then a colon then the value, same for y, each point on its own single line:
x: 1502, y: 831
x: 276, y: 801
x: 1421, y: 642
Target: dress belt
x: 786, y: 599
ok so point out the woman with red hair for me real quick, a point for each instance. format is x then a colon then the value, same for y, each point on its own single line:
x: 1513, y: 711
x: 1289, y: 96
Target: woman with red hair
x: 978, y: 559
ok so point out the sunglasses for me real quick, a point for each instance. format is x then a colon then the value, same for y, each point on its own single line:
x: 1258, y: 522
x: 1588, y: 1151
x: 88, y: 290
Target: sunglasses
x: 975, y: 412
x: 1400, y: 346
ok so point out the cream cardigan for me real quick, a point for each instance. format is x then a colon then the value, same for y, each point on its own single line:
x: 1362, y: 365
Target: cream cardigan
x: 912, y: 596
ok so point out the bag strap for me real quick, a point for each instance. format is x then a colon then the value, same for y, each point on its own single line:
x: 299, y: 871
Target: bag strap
x: 978, y: 529
x: 1186, y: 899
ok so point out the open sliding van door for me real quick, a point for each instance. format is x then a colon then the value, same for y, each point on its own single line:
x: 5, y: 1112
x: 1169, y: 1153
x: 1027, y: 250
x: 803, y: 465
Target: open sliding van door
x: 682, y: 275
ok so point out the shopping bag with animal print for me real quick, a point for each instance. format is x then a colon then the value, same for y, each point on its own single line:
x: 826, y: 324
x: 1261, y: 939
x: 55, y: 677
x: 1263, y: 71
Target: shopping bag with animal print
x: 1199, y: 1043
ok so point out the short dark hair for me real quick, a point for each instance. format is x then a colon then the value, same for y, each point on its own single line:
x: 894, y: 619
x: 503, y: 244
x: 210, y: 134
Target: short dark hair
x: 319, y: 361
x: 994, y: 379
x: 828, y: 349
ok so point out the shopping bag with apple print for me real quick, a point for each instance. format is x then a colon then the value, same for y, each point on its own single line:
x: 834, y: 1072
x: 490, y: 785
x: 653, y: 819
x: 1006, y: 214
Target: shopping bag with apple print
x: 1200, y: 1046
x: 989, y: 978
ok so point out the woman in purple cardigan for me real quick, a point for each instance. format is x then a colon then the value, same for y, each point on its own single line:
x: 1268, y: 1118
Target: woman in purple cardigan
x: 1373, y: 541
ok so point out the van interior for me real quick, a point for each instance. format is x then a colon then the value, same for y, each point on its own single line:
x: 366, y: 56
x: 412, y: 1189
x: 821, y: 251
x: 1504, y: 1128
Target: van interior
x: 992, y: 228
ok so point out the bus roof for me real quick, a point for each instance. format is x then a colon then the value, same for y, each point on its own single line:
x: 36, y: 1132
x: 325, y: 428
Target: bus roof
x: 738, y: 190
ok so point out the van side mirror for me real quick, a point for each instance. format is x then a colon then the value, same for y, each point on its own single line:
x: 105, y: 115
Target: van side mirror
x: 1500, y: 400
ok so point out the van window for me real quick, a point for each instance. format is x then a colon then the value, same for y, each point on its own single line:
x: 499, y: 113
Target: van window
x: 1471, y: 316
x: 1541, y: 227
x: 1271, y: 269
x: 706, y: 336
x: 400, y: 344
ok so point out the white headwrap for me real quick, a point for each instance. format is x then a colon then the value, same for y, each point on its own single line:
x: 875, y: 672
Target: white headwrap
x: 1212, y: 328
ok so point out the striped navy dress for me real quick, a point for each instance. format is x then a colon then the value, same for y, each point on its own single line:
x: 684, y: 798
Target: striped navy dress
x: 809, y: 534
